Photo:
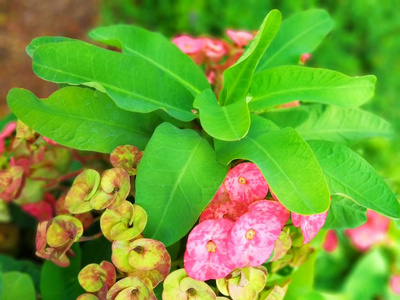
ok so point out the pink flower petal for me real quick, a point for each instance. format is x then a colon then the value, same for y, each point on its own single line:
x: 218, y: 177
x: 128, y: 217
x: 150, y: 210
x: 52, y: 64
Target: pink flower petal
x: 310, y: 225
x: 215, y: 49
x: 372, y: 232
x: 240, y: 38
x: 245, y: 183
x: 231, y: 210
x: 252, y: 231
x: 331, y: 241
x: 188, y: 44
x: 395, y: 283
x: 273, y: 207
x: 206, y: 255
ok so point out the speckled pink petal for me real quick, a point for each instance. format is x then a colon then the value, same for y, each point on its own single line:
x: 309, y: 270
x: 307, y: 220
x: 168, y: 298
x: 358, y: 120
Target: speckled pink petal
x: 188, y: 44
x: 231, y: 210
x: 253, y: 237
x: 206, y: 255
x: 310, y: 225
x: 272, y: 207
x: 245, y: 183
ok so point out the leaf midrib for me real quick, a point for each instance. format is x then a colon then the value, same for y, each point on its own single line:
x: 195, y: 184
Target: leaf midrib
x: 47, y: 109
x: 158, y: 104
x: 175, y: 186
x: 289, y: 91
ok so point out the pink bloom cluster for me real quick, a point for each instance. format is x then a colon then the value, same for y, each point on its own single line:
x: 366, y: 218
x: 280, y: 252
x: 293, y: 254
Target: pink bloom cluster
x: 7, y: 132
x: 374, y: 231
x: 239, y: 227
x: 217, y: 55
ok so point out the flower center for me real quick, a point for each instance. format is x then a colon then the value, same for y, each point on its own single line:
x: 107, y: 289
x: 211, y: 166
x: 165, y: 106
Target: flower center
x: 211, y: 246
x: 250, y: 234
x: 242, y: 180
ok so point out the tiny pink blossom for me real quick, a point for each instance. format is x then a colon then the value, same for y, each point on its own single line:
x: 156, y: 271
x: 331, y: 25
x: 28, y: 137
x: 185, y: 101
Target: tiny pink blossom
x: 273, y: 207
x: 206, y: 255
x: 331, y: 241
x: 304, y: 57
x: 7, y: 131
x: 252, y: 238
x: 374, y: 231
x: 240, y: 38
x: 310, y: 225
x: 211, y: 77
x: 188, y: 44
x: 395, y: 283
x: 245, y: 183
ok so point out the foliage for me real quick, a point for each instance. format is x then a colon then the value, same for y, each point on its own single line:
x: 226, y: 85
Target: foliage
x: 214, y: 141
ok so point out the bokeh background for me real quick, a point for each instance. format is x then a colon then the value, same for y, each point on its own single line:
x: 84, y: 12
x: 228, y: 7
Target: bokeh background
x: 365, y: 40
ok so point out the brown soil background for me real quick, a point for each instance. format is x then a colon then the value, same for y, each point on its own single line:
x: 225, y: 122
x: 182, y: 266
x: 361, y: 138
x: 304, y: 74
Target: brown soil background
x: 23, y: 20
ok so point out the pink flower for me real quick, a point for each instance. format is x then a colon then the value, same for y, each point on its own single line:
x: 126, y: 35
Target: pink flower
x: 245, y: 183
x: 273, y: 207
x: 41, y: 210
x: 211, y: 77
x: 252, y: 238
x: 372, y: 232
x: 188, y: 44
x: 215, y: 49
x: 206, y: 255
x: 240, y: 38
x: 395, y: 283
x: 331, y: 241
x: 7, y: 131
x: 310, y: 225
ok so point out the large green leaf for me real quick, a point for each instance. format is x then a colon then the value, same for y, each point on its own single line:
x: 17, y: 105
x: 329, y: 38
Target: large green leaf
x: 156, y: 50
x: 287, y: 163
x: 62, y: 283
x: 237, y: 78
x: 349, y: 174
x: 228, y: 123
x: 344, y: 213
x: 289, y: 83
x: 17, y: 285
x: 300, y: 33
x: 82, y: 119
x: 331, y: 123
x: 132, y: 82
x: 177, y: 177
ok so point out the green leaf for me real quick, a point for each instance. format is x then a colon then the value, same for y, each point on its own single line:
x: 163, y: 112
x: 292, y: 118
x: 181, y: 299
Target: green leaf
x: 287, y: 163
x: 227, y: 123
x: 16, y: 285
x: 331, y: 123
x: 132, y: 82
x: 369, y: 277
x: 349, y: 174
x: 62, y: 283
x: 177, y: 177
x: 82, y: 119
x: 96, y: 251
x: 8, y: 264
x: 302, y: 279
x: 300, y: 33
x: 237, y: 78
x: 40, y: 41
x: 156, y: 50
x: 289, y: 83
x: 344, y: 213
